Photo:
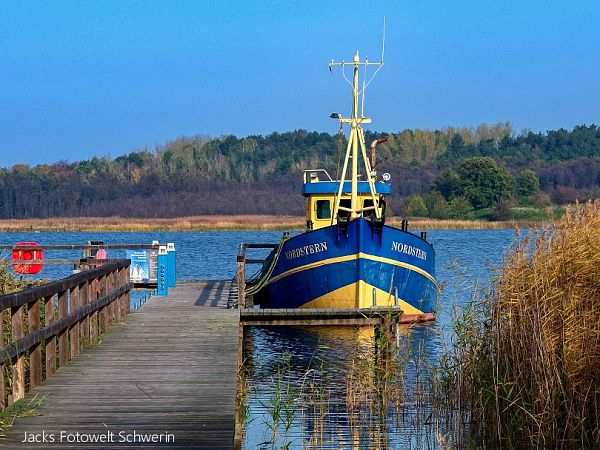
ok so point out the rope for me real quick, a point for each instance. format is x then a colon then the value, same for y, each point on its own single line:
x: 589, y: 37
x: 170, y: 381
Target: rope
x: 263, y: 276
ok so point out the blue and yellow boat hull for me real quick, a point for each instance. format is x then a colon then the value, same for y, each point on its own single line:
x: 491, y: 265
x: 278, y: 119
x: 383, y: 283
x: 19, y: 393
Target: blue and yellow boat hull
x: 359, y: 267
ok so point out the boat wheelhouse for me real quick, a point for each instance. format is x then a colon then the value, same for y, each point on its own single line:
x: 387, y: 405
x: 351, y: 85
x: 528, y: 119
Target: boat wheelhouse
x: 320, y: 191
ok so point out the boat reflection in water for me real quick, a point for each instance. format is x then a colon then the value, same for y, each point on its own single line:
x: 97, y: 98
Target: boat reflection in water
x: 338, y: 387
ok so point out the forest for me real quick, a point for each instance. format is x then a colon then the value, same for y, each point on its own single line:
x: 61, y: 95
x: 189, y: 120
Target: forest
x: 263, y: 174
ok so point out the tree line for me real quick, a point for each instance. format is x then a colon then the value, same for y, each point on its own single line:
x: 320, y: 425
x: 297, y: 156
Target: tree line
x: 262, y: 174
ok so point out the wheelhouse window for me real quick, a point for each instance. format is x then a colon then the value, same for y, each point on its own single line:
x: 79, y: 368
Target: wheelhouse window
x: 323, y: 209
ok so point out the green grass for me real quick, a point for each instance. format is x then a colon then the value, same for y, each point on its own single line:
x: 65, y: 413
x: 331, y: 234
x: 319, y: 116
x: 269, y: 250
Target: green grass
x: 537, y: 213
x: 524, y: 213
x: 21, y: 408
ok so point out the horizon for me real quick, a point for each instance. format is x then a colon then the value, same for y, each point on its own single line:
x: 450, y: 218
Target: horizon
x: 83, y: 79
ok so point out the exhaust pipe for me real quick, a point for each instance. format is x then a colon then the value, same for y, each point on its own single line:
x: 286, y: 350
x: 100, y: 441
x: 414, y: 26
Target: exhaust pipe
x: 373, y: 145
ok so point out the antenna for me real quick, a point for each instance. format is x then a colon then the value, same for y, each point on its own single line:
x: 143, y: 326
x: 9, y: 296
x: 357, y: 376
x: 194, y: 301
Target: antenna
x: 362, y: 106
x: 366, y: 81
x: 383, y: 41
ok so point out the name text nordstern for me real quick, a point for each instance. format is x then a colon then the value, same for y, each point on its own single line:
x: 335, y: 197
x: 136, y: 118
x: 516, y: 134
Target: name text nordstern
x: 306, y: 250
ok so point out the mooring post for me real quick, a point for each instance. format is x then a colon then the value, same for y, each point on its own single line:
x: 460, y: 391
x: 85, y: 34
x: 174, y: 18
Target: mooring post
x: 171, y: 277
x: 241, y: 280
x: 163, y: 287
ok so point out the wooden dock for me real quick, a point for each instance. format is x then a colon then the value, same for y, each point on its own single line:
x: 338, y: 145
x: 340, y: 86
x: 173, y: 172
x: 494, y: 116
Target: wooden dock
x: 319, y: 317
x: 168, y: 369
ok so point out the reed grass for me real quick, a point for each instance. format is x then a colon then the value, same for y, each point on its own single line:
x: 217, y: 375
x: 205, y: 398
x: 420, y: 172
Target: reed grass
x: 453, y: 224
x: 22, y: 408
x: 524, y: 371
x: 191, y: 223
x: 225, y: 223
x: 281, y: 405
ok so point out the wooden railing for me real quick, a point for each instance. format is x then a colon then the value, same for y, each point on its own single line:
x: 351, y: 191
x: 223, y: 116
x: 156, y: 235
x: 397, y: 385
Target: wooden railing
x: 48, y: 324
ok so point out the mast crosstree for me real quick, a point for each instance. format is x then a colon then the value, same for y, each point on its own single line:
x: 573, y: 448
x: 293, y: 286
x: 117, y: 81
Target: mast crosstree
x: 356, y: 145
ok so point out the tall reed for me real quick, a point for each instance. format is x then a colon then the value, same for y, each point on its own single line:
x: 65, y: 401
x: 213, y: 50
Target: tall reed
x: 524, y: 371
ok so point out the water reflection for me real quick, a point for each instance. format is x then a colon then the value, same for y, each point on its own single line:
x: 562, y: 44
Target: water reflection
x: 337, y: 387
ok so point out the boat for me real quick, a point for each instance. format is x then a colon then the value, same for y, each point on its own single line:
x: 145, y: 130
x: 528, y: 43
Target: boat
x: 348, y: 257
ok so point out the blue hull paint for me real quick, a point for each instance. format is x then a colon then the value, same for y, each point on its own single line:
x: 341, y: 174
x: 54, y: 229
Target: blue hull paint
x: 321, y: 249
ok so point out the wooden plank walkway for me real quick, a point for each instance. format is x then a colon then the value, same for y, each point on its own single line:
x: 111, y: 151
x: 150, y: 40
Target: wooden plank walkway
x: 171, y: 367
x: 322, y: 316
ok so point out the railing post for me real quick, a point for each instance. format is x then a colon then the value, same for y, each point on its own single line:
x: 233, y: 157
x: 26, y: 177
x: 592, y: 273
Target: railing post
x: 92, y: 295
x: 35, y: 354
x: 109, y: 306
x: 51, y: 341
x: 75, y: 342
x: 84, y: 295
x: 119, y: 300
x: 124, y: 310
x: 106, y: 309
x: 241, y: 280
x: 18, y: 368
x: 112, y: 315
x: 103, y: 313
x: 63, y: 337
x: 123, y: 279
x: 127, y: 293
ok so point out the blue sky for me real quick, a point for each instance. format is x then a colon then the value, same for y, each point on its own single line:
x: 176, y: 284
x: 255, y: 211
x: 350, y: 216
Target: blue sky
x: 80, y: 78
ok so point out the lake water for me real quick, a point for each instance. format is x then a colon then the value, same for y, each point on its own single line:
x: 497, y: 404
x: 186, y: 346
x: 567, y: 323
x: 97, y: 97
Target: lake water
x: 298, y: 392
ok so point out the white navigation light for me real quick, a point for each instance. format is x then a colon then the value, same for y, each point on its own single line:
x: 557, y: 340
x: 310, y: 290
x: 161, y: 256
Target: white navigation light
x: 386, y: 177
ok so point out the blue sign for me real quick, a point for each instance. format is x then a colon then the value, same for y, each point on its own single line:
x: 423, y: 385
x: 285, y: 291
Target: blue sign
x: 139, y: 268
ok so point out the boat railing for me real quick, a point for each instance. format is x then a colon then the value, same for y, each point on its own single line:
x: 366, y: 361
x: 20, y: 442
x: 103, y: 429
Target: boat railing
x: 312, y: 175
x: 242, y: 260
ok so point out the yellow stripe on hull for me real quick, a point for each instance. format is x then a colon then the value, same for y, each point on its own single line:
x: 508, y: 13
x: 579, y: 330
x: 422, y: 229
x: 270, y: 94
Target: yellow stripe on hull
x: 351, y: 258
x: 359, y: 295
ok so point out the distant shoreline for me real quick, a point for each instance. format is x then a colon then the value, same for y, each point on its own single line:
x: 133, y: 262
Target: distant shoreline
x: 227, y: 223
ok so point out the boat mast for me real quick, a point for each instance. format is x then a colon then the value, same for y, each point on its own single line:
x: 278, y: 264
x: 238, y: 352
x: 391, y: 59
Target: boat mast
x: 356, y: 144
x: 353, y: 138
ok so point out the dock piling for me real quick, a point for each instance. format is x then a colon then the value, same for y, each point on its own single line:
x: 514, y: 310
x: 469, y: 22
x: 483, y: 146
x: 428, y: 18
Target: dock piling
x: 241, y: 280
